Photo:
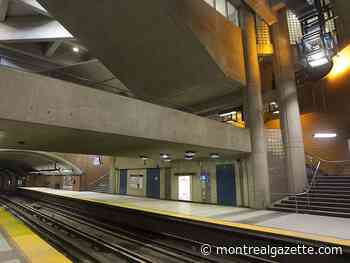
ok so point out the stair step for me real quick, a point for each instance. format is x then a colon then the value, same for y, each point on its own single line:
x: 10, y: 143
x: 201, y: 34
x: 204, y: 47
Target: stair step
x: 325, y: 195
x: 314, y: 212
x: 330, y: 191
x: 318, y: 208
x: 347, y: 184
x: 322, y: 199
x: 343, y: 177
x: 314, y: 203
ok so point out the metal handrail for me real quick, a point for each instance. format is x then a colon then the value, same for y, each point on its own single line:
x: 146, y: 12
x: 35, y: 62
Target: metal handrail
x: 308, y: 188
x: 314, y: 176
x: 97, y: 180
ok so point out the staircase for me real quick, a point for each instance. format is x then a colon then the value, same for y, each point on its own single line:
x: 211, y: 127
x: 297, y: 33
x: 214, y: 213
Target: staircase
x: 100, y: 185
x: 327, y: 194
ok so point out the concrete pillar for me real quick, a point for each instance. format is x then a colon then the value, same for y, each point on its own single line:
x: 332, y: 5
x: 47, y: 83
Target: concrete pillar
x: 288, y: 102
x: 112, y: 177
x: 258, y: 159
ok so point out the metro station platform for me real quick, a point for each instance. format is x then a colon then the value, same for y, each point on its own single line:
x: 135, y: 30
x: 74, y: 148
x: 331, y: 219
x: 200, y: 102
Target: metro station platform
x: 330, y: 230
x: 18, y: 244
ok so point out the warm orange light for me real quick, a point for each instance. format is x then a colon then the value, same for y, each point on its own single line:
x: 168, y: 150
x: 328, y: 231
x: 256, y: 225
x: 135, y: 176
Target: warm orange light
x: 341, y: 63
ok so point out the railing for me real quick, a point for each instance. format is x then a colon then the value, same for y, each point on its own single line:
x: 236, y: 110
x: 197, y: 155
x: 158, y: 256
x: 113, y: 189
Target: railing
x: 310, y: 183
x: 97, y: 181
x: 324, y: 166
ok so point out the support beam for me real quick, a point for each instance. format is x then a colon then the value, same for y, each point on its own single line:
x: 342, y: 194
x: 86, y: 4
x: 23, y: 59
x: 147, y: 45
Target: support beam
x: 33, y: 5
x: 289, y: 108
x: 260, y: 191
x: 52, y: 47
x: 3, y: 9
x: 32, y: 29
x: 103, y: 123
x: 262, y: 8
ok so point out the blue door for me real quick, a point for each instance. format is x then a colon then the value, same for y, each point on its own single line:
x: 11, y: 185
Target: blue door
x: 226, y: 185
x: 123, y: 175
x: 153, y: 183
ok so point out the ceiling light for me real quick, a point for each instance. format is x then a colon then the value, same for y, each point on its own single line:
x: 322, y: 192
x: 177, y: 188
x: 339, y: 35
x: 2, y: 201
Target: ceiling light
x: 214, y: 155
x: 76, y: 49
x: 164, y: 155
x: 190, y: 153
x: 228, y: 114
x: 276, y: 112
x: 318, y: 62
x: 67, y: 171
x: 324, y: 135
x: 167, y: 160
x: 188, y: 158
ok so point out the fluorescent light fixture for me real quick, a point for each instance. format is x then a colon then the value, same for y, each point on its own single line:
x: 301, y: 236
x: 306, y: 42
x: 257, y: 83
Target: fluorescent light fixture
x: 67, y: 171
x: 317, y: 56
x: 164, y: 155
x: 143, y: 157
x: 319, y: 62
x: 214, y: 155
x: 276, y: 112
x: 228, y: 114
x: 76, y: 49
x: 188, y: 158
x: 324, y: 135
x: 167, y: 160
x: 190, y: 153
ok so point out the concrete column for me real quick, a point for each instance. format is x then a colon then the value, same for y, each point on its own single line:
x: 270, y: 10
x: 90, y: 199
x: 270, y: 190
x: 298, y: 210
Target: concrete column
x: 112, y: 177
x: 258, y: 158
x: 288, y: 102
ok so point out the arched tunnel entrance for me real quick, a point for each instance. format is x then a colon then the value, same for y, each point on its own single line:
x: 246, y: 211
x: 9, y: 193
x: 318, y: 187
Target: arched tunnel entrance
x: 32, y: 168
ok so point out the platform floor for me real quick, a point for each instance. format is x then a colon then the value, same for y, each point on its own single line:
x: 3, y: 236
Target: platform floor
x: 18, y: 244
x: 329, y: 229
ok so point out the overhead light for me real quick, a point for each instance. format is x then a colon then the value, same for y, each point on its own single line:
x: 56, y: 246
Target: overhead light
x: 214, y: 156
x: 228, y: 113
x: 325, y: 135
x: 164, y: 155
x: 276, y: 112
x: 273, y: 103
x: 317, y: 59
x: 319, y: 62
x: 167, y: 160
x: 188, y: 158
x: 76, y: 49
x: 190, y: 153
x: 143, y: 157
x: 67, y: 171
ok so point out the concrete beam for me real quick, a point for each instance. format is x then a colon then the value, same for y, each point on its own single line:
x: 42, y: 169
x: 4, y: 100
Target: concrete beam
x: 29, y: 29
x: 33, y: 5
x: 262, y: 8
x: 52, y: 47
x: 118, y: 122
x: 3, y: 9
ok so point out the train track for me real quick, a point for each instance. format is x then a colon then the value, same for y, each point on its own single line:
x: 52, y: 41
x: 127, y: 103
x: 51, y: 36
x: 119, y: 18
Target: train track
x: 87, y: 240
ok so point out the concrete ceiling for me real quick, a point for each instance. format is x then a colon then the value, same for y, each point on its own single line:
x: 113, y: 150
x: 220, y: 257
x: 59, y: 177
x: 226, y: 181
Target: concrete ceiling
x: 56, y: 59
x: 66, y: 140
x: 38, y: 163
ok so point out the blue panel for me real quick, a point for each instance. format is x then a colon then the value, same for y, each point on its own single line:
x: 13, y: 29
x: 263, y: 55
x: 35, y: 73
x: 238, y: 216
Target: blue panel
x: 123, y: 181
x: 226, y: 185
x: 153, y: 183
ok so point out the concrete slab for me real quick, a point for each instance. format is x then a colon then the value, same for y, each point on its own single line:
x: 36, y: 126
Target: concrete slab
x: 324, y: 226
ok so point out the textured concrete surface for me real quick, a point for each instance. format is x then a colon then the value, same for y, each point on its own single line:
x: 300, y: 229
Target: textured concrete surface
x: 83, y: 120
x: 177, y: 53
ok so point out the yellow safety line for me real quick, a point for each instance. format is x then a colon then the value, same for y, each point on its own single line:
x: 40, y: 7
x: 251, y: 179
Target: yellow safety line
x: 35, y: 249
x: 263, y: 229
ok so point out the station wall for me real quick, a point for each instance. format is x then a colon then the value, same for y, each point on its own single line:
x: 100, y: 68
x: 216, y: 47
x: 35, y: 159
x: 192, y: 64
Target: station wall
x: 203, y: 177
